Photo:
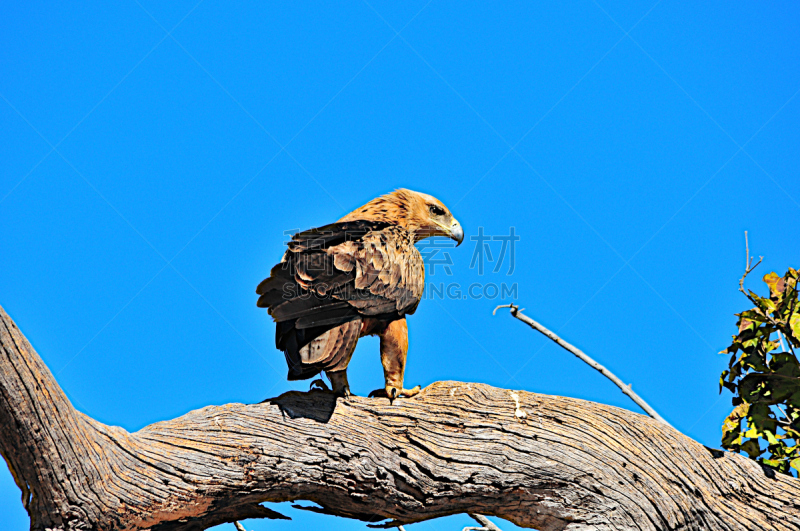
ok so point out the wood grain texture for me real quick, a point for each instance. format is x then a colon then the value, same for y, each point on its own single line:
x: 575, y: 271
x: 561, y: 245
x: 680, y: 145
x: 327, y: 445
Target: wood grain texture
x: 455, y: 448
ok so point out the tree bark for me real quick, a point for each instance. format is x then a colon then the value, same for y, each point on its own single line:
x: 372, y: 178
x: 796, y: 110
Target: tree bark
x: 540, y: 461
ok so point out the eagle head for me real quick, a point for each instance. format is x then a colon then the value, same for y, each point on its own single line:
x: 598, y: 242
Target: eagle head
x: 422, y: 215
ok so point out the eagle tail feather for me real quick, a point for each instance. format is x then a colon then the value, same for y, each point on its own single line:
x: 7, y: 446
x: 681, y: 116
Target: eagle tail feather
x: 311, y: 350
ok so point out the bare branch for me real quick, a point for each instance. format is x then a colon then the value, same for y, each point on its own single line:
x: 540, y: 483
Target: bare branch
x: 627, y: 389
x: 748, y: 269
x: 486, y: 524
x: 780, y: 339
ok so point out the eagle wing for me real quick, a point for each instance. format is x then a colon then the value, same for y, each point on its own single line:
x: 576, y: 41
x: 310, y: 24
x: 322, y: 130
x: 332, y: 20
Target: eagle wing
x: 337, y: 274
x: 370, y: 268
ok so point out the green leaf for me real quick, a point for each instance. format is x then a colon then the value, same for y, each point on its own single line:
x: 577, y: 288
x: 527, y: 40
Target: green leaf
x: 775, y: 283
x: 778, y: 464
x: 750, y: 318
x: 755, y: 360
x: 771, y: 438
x: 764, y: 304
x: 794, y: 324
x: 785, y: 364
x: 732, y: 421
x: 769, y: 389
x: 752, y: 448
x: 752, y: 433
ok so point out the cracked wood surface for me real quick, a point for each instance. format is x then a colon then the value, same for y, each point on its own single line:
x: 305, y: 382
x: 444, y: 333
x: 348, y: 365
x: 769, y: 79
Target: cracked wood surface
x: 455, y: 448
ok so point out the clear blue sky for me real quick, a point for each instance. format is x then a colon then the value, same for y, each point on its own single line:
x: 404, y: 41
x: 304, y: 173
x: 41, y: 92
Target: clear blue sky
x: 147, y: 178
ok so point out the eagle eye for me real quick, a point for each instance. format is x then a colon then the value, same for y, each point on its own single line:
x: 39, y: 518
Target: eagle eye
x: 436, y: 210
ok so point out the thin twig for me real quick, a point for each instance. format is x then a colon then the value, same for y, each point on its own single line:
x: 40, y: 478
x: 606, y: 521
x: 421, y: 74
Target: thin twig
x: 486, y: 524
x: 787, y: 424
x: 780, y: 339
x: 747, y: 268
x: 627, y: 389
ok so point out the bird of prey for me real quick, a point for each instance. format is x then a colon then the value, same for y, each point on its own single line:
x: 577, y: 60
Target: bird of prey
x: 359, y: 276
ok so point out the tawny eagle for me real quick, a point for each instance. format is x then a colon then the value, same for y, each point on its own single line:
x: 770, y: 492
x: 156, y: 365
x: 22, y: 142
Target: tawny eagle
x: 359, y: 276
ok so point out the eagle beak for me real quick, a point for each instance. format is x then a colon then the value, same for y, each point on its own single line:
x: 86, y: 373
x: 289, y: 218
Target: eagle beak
x: 456, y: 232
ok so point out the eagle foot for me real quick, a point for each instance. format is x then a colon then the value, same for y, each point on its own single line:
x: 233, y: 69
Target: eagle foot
x: 344, y: 393
x: 320, y: 384
x: 392, y: 392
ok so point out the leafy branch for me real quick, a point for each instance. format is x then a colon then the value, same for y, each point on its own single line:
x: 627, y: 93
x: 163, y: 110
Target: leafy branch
x: 764, y: 375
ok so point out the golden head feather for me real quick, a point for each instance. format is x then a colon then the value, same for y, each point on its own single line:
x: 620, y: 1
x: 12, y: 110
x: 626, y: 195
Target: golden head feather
x: 422, y: 215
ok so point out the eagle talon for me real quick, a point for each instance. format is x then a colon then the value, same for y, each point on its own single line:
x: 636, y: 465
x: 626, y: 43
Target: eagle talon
x: 393, y: 393
x: 344, y: 393
x: 414, y: 391
x: 320, y: 384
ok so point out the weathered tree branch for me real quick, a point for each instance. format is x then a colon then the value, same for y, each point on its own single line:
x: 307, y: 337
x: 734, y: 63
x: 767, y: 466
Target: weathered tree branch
x: 455, y: 448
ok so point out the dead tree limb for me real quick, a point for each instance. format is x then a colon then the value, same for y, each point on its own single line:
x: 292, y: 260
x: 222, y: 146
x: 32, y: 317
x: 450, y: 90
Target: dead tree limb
x: 627, y: 389
x: 455, y: 448
x: 486, y: 524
